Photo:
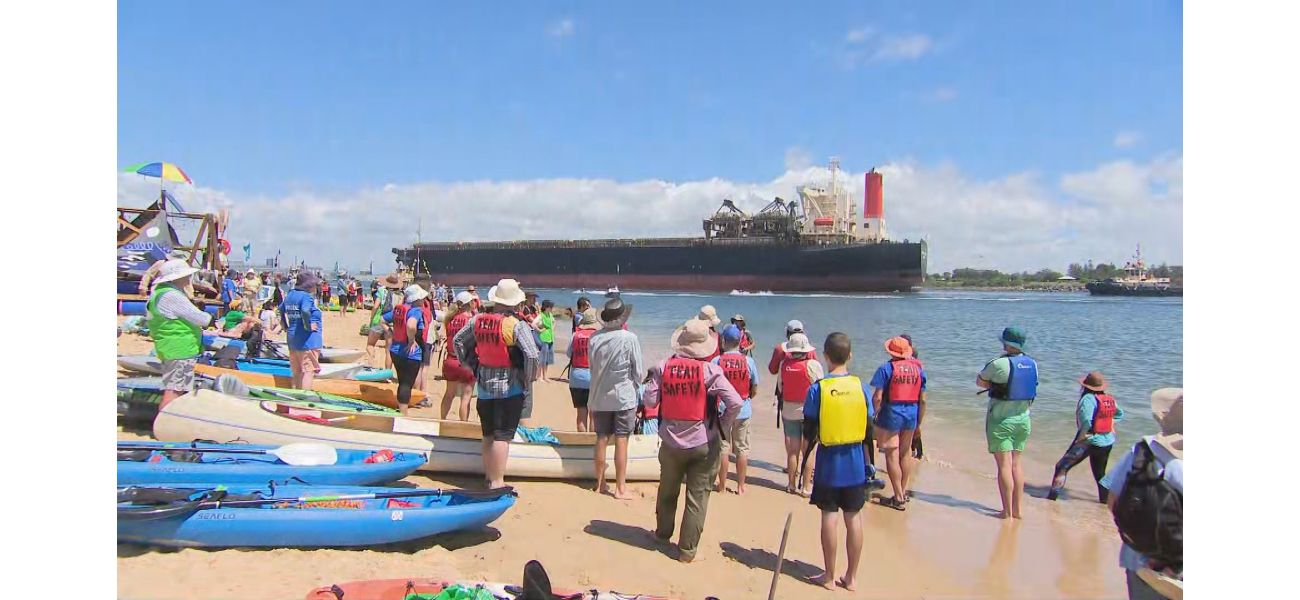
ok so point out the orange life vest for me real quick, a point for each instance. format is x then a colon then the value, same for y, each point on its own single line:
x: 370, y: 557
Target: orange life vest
x: 905, y: 384
x: 682, y: 394
x: 736, y: 368
x: 794, y: 379
x: 1103, y: 417
x: 489, y: 343
x: 581, y: 343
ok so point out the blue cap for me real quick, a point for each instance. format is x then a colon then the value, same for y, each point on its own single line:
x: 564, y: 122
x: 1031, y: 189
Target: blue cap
x: 731, y: 333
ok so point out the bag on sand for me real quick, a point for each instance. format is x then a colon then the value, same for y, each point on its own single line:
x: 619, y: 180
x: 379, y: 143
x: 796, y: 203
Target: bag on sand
x: 1149, y: 511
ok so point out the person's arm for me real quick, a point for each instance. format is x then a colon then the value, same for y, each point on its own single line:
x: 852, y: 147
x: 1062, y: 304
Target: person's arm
x: 463, y: 343
x: 637, y: 369
x: 985, y: 377
x: 413, y: 332
x: 774, y: 363
x: 149, y: 275
x: 753, y: 377
x: 1083, y: 416
x: 717, y: 386
x: 315, y: 314
x: 177, y: 306
x: 528, y: 346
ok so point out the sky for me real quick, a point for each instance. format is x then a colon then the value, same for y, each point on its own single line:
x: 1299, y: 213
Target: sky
x: 1012, y: 135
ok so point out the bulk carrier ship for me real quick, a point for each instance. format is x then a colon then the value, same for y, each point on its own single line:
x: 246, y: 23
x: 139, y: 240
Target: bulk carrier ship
x: 811, y: 245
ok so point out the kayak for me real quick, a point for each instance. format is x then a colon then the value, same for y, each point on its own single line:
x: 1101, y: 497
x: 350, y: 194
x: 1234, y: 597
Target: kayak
x: 428, y: 589
x: 138, y: 307
x: 328, y: 354
x: 452, y: 446
x: 144, y: 363
x: 159, y: 462
x: 285, y: 516
x: 138, y: 397
x: 376, y: 392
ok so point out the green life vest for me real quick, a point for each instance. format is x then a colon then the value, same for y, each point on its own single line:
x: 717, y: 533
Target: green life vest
x: 172, y: 338
x: 547, y: 331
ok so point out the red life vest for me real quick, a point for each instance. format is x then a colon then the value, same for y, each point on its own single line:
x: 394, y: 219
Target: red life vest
x: 905, y: 385
x: 717, y: 347
x: 736, y: 369
x: 581, y: 342
x: 1103, y: 417
x: 794, y: 379
x: 427, y: 309
x: 400, y: 313
x: 682, y: 395
x: 457, y: 323
x: 489, y: 343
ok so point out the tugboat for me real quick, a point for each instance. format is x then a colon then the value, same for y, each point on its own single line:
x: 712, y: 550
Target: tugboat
x: 1137, y: 281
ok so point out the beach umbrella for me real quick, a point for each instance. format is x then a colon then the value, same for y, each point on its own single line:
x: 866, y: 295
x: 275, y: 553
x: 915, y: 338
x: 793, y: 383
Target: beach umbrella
x: 163, y: 170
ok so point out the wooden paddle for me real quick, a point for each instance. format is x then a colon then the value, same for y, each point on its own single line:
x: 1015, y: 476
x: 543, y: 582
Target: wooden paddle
x: 297, y: 454
x: 780, y: 557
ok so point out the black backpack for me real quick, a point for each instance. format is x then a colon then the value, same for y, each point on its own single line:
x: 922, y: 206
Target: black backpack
x: 1149, y: 511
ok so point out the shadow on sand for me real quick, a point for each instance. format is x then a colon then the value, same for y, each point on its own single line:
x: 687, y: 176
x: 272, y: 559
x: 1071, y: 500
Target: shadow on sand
x: 637, y: 537
x: 758, y: 558
x: 946, y: 500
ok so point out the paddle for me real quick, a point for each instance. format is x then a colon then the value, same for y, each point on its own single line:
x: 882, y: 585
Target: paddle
x: 212, y: 500
x: 780, y: 557
x: 297, y: 454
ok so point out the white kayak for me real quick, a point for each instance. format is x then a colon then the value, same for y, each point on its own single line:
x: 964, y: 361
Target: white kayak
x: 452, y: 446
x: 328, y: 354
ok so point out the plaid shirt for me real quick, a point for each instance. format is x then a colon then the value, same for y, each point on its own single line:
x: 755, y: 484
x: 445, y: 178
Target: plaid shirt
x: 499, y: 382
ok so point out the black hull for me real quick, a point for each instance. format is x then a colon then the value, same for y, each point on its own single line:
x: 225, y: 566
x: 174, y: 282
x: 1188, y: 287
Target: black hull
x: 698, y: 265
x: 1107, y: 288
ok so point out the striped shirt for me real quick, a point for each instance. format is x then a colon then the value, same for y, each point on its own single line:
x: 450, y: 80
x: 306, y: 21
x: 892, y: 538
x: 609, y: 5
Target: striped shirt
x: 178, y: 306
x: 499, y: 382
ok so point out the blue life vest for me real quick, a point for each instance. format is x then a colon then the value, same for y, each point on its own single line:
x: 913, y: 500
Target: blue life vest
x: 1022, y: 381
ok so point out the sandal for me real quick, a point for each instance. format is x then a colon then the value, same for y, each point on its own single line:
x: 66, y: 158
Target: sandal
x: 891, y: 502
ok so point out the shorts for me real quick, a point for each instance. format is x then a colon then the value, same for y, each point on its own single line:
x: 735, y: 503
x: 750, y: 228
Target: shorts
x: 614, y: 422
x: 897, y: 417
x: 454, y: 371
x: 1008, y: 434
x: 344, y: 299
x: 308, y: 360
x: 737, y: 442
x: 178, y: 374
x: 650, y: 427
x: 834, y: 499
x: 547, y: 353
x: 579, y: 396
x: 499, y: 418
x: 792, y: 429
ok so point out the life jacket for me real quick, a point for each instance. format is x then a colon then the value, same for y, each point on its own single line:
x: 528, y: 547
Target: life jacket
x: 682, y: 395
x: 1022, y: 380
x: 843, y: 412
x: 456, y: 324
x: 429, y: 321
x: 736, y: 368
x: 490, y: 341
x: 172, y: 338
x: 1103, y: 417
x: 905, y: 384
x: 794, y: 379
x: 581, y: 344
x: 400, y: 314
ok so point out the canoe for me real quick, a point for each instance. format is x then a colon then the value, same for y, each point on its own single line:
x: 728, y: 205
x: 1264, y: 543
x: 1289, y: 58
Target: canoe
x: 328, y: 354
x: 143, y: 363
x: 452, y: 446
x: 402, y: 589
x: 155, y: 465
x: 379, y: 393
x: 289, y: 523
x: 138, y: 398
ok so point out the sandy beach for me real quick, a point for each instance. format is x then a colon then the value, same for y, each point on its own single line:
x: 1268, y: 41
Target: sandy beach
x: 946, y: 545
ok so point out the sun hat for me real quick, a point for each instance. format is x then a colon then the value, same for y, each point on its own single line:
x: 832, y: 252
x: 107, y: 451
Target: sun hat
x: 615, y: 312
x: 898, y: 347
x: 464, y: 298
x: 731, y: 334
x: 415, y: 293
x: 798, y: 343
x: 793, y: 327
x: 1014, y: 337
x: 506, y: 293
x: 588, y: 319
x: 694, y: 340
x: 710, y: 314
x: 1094, y: 381
x: 174, y: 269
x: 393, y: 281
x: 306, y: 281
x: 1167, y: 408
x: 738, y: 317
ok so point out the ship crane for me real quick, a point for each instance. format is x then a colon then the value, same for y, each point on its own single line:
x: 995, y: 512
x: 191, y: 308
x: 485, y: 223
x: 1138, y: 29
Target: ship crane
x: 728, y: 222
x: 778, y: 219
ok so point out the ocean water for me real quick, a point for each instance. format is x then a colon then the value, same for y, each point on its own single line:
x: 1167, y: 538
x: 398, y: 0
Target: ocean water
x: 1136, y: 342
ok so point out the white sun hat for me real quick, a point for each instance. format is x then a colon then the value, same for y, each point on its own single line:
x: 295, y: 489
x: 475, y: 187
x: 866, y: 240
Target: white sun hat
x: 506, y: 293
x: 174, y: 269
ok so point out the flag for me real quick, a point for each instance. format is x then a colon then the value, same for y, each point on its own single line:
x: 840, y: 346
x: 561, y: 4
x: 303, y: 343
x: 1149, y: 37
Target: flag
x: 277, y: 258
x: 248, y: 252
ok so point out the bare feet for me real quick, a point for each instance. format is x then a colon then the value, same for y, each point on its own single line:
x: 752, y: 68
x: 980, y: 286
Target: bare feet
x: 824, y: 581
x: 601, y: 488
x: 847, y: 583
x: 621, y: 495
x: 740, y: 490
x: 720, y: 487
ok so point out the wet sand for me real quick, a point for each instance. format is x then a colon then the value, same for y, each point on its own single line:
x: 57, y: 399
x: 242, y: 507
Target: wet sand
x: 946, y: 545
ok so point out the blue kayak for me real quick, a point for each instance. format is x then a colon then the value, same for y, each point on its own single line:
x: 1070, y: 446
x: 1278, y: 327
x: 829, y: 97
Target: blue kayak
x: 284, y: 516
x: 158, y: 462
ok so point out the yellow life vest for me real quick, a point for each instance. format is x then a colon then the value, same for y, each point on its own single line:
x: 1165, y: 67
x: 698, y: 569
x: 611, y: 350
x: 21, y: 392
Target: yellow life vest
x: 843, y: 411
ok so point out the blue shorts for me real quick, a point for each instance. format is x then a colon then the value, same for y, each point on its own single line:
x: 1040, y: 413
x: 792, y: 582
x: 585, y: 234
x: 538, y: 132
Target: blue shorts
x: 897, y: 417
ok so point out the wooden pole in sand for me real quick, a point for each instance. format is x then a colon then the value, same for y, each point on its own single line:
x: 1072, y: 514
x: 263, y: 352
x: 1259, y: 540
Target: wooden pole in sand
x: 780, y: 557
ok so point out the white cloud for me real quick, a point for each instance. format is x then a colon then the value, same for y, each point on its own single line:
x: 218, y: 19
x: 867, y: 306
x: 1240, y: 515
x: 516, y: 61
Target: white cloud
x: 903, y: 47
x: 940, y: 94
x: 1127, y: 139
x: 1016, y: 222
x: 865, y: 45
x: 562, y: 28
x: 857, y: 36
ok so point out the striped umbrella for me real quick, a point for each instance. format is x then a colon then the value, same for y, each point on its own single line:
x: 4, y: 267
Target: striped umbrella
x: 162, y: 170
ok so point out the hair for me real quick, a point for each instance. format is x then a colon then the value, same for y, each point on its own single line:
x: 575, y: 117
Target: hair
x: 583, y: 301
x: 838, y: 347
x: 547, y: 304
x: 728, y: 345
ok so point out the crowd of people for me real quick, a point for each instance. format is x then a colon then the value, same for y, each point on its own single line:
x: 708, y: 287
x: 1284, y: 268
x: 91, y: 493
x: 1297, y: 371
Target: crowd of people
x: 699, y: 402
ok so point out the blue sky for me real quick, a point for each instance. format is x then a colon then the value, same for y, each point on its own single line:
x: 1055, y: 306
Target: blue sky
x: 269, y: 99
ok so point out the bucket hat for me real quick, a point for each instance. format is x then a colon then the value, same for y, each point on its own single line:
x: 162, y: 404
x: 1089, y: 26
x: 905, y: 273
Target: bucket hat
x: 174, y: 269
x: 506, y: 293
x: 694, y: 340
x: 898, y: 347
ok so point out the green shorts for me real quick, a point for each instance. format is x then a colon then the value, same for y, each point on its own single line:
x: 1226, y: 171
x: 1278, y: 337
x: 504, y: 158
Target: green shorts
x: 1007, y: 434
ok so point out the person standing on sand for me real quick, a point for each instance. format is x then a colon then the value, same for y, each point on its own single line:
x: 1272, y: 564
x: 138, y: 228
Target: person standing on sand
x: 1153, y: 514
x: 616, y: 370
x: 409, y: 323
x: 546, y: 334
x: 583, y: 304
x: 899, y: 401
x: 1094, y: 418
x: 252, y: 286
x: 176, y: 327
x: 459, y: 379
x: 580, y: 369
x: 779, y: 356
x: 799, y: 370
x: 1012, y: 384
x: 301, y: 318
x: 428, y: 336
x: 498, y: 347
x: 836, y: 413
x: 696, y: 404
x: 380, y: 331
x: 742, y: 373
x: 746, y: 340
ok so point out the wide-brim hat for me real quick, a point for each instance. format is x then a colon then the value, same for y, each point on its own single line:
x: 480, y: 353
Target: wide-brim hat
x: 306, y: 280
x: 710, y: 314
x: 392, y: 281
x: 506, y: 292
x: 1094, y: 382
x: 1014, y: 337
x: 694, y: 340
x: 415, y: 293
x: 1167, y: 409
x: 798, y: 343
x: 615, y: 312
x: 588, y: 319
x: 898, y: 347
x: 174, y: 269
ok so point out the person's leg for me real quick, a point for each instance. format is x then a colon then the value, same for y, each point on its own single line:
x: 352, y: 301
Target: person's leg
x: 487, y: 424
x: 407, y: 370
x: 620, y: 467
x: 1097, y: 458
x: 829, y: 517
x: 724, y: 464
x: 1018, y: 480
x: 508, y: 413
x: 791, y: 460
x: 497, y: 465
x: 295, y: 369
x: 853, y: 535
x: 889, y: 443
x: 602, y: 446
x: 1075, y: 454
x: 806, y: 484
x: 310, y: 367
x: 584, y: 417
x: 699, y: 474
x: 671, y: 474
x: 905, y: 462
x: 1006, y: 484
x: 740, y: 441
x: 448, y: 395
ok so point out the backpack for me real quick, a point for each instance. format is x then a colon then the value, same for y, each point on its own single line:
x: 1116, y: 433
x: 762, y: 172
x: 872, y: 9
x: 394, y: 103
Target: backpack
x: 1149, y: 511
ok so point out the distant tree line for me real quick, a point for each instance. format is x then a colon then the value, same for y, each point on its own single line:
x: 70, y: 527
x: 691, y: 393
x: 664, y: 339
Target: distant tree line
x: 1082, y: 272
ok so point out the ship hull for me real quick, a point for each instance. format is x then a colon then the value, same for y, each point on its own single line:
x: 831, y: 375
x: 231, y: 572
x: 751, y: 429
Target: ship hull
x: 885, y: 267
